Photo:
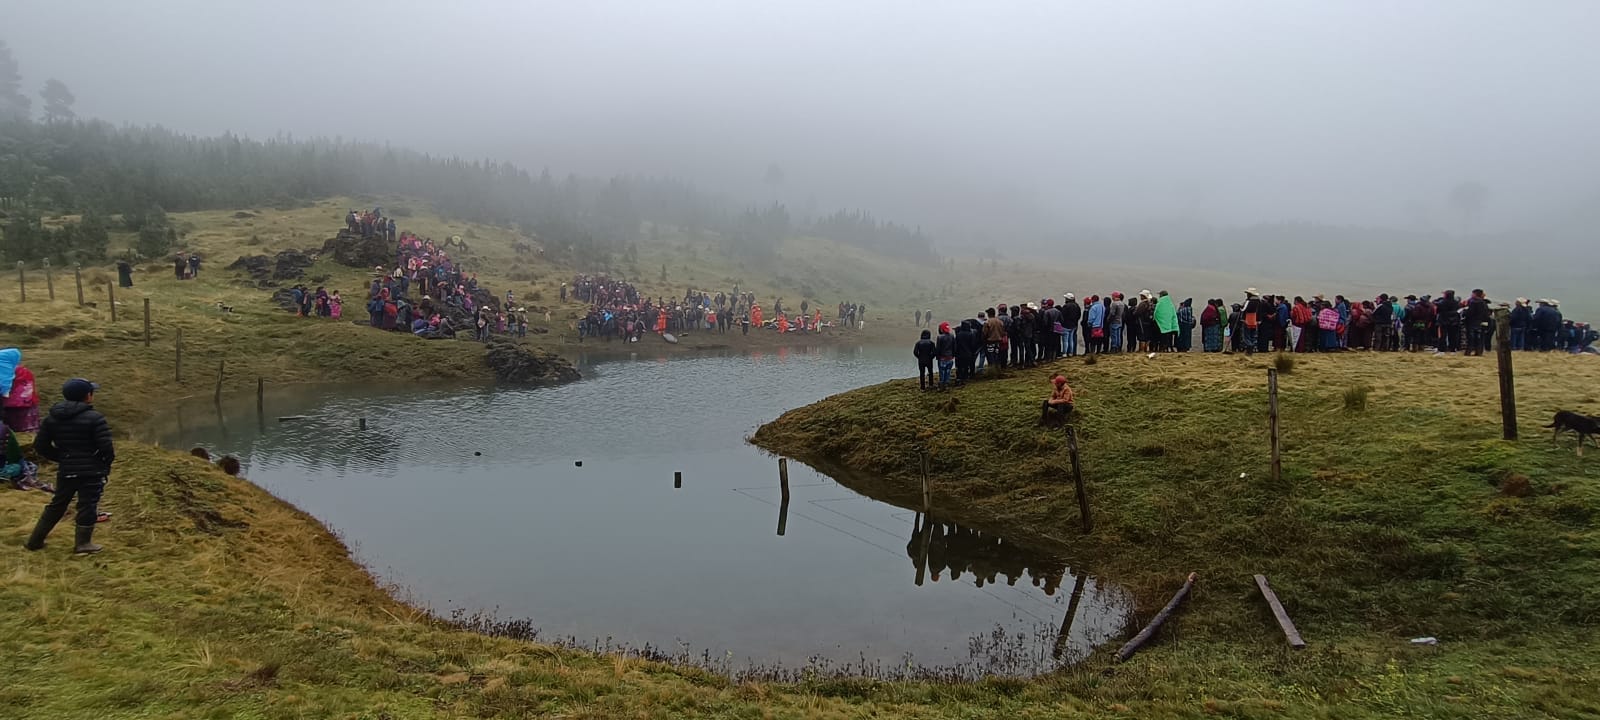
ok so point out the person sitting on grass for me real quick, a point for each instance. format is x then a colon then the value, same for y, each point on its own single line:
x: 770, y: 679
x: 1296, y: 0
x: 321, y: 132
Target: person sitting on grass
x: 1059, y: 404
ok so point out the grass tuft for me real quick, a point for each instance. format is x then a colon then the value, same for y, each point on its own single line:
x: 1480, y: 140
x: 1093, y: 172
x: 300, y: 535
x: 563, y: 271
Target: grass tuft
x: 1284, y: 362
x: 1355, y: 398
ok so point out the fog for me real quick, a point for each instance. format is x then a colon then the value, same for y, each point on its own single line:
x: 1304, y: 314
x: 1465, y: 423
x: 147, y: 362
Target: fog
x: 984, y: 122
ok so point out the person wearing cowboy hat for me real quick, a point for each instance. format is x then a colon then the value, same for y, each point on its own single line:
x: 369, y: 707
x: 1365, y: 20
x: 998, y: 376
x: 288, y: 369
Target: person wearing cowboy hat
x: 1521, y: 319
x: 1251, y: 319
x: 1546, y: 323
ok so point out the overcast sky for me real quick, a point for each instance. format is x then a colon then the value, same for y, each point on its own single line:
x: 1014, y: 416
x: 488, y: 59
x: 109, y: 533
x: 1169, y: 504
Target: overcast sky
x: 979, y: 113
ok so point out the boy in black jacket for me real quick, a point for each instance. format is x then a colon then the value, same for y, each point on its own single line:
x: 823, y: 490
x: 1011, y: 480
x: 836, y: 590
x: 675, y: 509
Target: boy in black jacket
x: 78, y: 439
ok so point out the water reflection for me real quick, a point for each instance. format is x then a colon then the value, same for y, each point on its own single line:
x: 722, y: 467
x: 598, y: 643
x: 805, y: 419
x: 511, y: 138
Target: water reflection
x: 447, y: 489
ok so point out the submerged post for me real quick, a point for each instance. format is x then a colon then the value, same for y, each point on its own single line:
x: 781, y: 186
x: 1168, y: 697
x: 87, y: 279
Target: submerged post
x: 261, y: 392
x: 1077, y: 480
x: 361, y: 424
x: 147, y: 322
x: 783, y: 487
x: 77, y: 276
x: 1508, y: 385
x: 1272, y: 422
x: 49, y: 280
x: 927, y: 488
x: 677, y: 479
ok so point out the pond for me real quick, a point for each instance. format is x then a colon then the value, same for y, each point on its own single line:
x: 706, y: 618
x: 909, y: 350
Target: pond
x: 555, y: 511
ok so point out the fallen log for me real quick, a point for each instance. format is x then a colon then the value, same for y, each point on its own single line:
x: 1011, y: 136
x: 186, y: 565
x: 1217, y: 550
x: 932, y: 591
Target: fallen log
x: 1289, y: 632
x: 1149, y: 631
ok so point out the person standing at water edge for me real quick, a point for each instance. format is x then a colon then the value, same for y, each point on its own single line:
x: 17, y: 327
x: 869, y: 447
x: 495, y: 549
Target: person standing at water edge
x: 924, y: 351
x: 78, y: 438
x: 945, y: 350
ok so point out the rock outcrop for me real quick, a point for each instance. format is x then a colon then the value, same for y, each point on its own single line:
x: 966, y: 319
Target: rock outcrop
x: 268, y: 271
x: 518, y: 364
x: 349, y: 248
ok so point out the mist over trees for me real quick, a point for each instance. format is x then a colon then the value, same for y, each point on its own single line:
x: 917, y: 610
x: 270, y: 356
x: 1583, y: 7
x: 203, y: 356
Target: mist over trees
x: 67, y: 167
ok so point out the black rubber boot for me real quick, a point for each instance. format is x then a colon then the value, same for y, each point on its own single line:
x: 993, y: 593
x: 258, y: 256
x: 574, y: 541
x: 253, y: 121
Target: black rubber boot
x: 47, y: 522
x: 85, y: 546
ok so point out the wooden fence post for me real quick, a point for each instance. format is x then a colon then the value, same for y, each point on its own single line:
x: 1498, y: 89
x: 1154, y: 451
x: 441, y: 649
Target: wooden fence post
x: 22, y: 283
x: 677, y: 480
x: 1508, y: 385
x: 111, y: 292
x: 77, y: 276
x: 1272, y: 421
x: 177, y: 363
x: 1077, y: 480
x: 147, y: 322
x: 261, y: 392
x: 49, y: 280
x: 217, y: 398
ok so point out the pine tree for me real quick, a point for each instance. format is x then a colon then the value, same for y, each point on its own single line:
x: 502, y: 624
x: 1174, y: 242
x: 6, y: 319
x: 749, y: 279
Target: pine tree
x: 14, y: 105
x: 58, y: 101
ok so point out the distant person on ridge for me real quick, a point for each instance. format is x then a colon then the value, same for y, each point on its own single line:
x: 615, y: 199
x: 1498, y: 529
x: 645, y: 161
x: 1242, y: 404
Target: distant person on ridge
x: 924, y: 351
x: 78, y: 438
x: 124, y: 274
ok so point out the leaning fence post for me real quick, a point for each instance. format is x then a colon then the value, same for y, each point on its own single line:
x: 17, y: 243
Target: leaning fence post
x: 1077, y: 480
x: 111, y: 293
x: 1272, y: 421
x: 217, y: 398
x: 261, y: 392
x: 22, y: 283
x: 77, y: 276
x: 49, y: 280
x: 147, y: 322
x: 177, y: 363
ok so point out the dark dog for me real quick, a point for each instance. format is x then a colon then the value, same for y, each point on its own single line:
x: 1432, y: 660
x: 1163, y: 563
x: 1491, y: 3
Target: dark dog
x: 1584, y: 426
x: 224, y: 308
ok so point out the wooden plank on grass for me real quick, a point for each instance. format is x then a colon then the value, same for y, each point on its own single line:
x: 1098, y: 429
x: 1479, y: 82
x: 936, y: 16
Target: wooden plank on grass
x: 1289, y: 632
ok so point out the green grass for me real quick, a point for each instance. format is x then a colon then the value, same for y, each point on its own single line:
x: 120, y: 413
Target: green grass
x: 1387, y: 524
x: 216, y: 600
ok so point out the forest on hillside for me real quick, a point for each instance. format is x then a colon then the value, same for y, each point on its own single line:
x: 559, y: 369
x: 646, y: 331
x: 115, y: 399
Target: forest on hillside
x: 57, y: 165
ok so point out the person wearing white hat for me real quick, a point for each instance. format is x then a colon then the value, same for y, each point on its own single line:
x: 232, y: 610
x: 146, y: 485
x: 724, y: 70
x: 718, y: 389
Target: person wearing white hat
x: 1521, y: 320
x: 1546, y: 324
x: 1071, y: 315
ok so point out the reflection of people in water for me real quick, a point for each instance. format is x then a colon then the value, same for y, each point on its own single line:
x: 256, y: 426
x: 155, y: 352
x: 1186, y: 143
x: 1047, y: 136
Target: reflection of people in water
x: 956, y: 550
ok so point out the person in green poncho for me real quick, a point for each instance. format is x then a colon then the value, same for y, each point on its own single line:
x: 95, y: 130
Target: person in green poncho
x: 1166, y: 323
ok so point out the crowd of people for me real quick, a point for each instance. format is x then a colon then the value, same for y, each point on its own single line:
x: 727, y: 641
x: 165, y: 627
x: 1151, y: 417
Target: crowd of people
x: 617, y: 310
x: 1025, y: 334
x: 369, y: 223
x: 426, y: 292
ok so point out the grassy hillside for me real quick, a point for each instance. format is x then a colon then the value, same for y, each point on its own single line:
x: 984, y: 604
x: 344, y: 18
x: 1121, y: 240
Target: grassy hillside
x: 1407, y: 518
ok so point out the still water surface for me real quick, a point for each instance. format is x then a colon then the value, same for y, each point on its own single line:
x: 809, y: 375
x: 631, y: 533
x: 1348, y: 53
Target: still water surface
x: 611, y: 554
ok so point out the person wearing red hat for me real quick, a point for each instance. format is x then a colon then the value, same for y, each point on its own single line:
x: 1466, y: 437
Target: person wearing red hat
x: 1059, y: 402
